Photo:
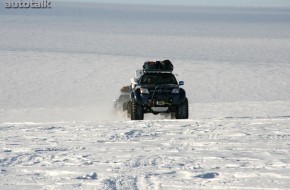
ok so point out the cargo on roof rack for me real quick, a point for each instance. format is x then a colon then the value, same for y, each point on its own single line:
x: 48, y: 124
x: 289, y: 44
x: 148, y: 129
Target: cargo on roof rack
x: 158, y: 66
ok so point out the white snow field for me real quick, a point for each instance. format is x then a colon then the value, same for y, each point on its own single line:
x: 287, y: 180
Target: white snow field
x: 162, y: 154
x: 61, y: 68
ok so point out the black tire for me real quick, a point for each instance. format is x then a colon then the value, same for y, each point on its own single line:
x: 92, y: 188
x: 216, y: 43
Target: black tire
x: 172, y: 115
x: 136, y: 111
x: 129, y: 107
x: 182, y: 110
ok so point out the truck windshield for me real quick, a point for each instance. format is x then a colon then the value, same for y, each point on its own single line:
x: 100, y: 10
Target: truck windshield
x: 157, y: 79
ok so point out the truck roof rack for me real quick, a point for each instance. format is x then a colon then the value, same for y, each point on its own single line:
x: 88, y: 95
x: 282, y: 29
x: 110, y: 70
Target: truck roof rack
x: 156, y: 71
x: 158, y: 66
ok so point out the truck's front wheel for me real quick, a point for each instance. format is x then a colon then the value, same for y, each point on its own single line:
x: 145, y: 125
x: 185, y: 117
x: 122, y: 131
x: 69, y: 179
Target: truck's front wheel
x: 182, y: 110
x: 136, y: 111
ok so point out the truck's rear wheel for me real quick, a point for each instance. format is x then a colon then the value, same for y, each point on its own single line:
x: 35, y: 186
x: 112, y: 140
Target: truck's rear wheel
x: 182, y: 110
x: 136, y: 111
x: 129, y: 107
x: 172, y: 115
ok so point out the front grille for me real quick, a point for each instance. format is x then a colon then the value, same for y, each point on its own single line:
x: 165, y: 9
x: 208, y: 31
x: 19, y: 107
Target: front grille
x: 160, y: 91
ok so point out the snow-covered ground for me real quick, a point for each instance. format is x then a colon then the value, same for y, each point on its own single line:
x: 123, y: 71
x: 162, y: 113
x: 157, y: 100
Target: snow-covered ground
x: 60, y: 70
x: 230, y: 153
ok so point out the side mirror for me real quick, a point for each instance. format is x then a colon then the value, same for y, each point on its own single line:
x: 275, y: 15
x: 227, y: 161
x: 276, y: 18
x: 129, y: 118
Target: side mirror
x: 181, y: 83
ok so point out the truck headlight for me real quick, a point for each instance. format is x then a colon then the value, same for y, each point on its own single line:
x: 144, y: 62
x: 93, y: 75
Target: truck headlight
x: 175, y: 91
x: 144, y: 91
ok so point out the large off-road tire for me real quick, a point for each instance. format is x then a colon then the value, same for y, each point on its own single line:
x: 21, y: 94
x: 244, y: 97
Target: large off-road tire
x: 136, y: 111
x: 129, y: 107
x: 182, y: 110
x: 172, y: 115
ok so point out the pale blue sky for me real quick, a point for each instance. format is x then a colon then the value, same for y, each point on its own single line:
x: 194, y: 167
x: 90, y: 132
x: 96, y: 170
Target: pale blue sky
x: 248, y: 3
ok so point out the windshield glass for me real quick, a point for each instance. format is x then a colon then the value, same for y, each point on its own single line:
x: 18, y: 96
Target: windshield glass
x: 157, y: 79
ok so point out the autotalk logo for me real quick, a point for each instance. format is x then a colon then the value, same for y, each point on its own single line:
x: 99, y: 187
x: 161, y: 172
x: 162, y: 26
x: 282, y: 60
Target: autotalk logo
x: 44, y: 4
